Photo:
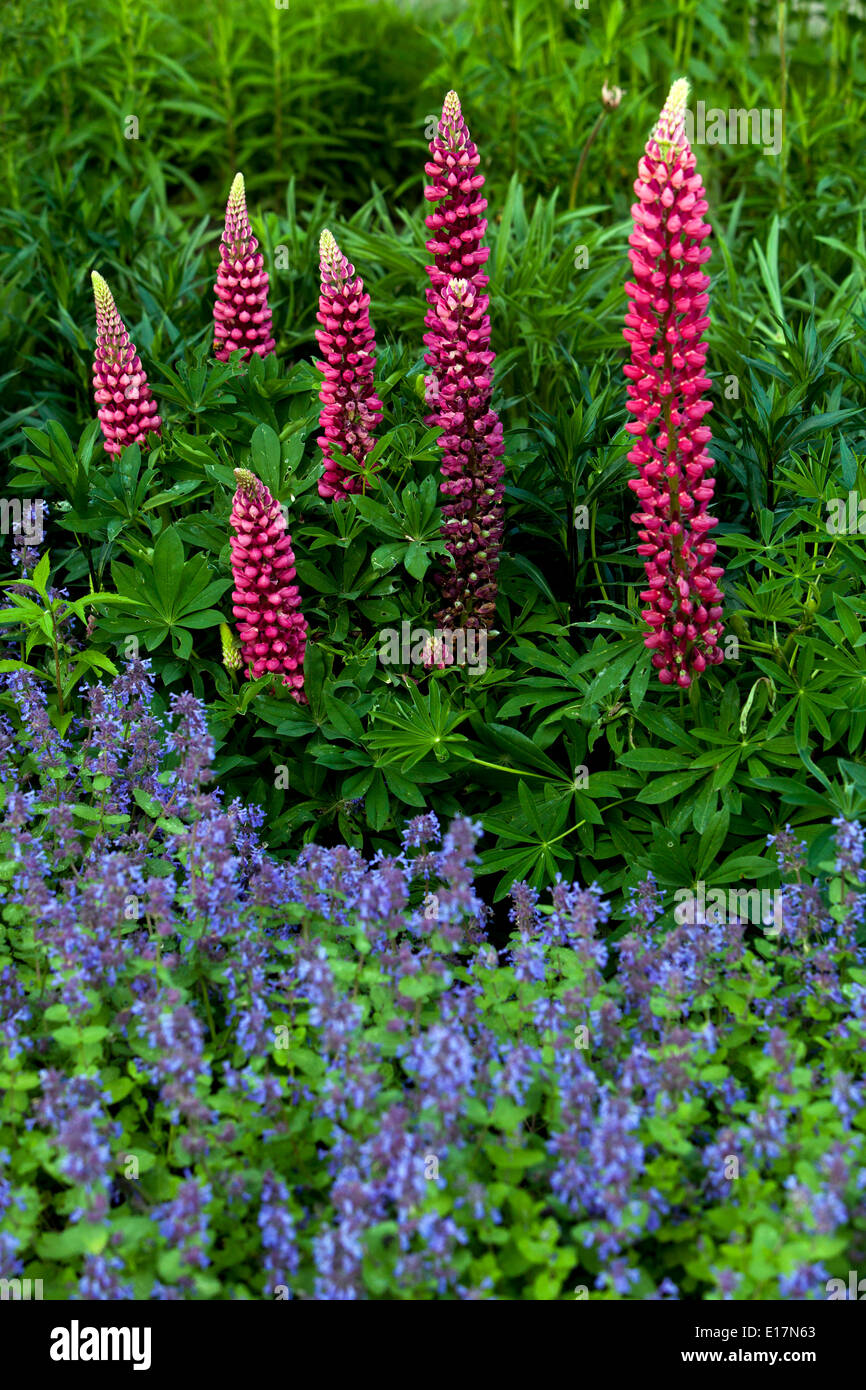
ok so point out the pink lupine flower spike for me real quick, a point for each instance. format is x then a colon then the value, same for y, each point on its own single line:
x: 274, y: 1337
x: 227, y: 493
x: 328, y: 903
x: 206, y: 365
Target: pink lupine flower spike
x: 127, y: 411
x: 271, y: 627
x: 242, y: 319
x: 666, y: 381
x: 460, y: 386
x: 351, y: 410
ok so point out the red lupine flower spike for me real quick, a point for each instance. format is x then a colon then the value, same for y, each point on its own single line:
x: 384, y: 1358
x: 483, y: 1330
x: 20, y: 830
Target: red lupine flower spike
x: 665, y: 322
x: 351, y: 410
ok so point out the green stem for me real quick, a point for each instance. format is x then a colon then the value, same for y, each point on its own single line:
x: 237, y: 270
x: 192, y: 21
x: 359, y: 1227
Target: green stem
x: 781, y: 16
x: 572, y: 194
x: 206, y: 999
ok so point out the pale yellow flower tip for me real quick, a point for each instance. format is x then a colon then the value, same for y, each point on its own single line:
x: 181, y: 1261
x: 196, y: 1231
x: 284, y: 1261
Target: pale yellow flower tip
x: 101, y: 293
x: 328, y: 247
x: 669, y: 124
x: 237, y: 192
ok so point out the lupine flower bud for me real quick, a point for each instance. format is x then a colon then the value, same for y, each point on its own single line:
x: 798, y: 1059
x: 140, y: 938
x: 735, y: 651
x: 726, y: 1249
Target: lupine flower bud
x: 127, y: 411
x: 271, y: 627
x: 664, y: 325
x: 351, y: 410
x: 242, y: 319
x: 232, y: 655
x: 472, y: 446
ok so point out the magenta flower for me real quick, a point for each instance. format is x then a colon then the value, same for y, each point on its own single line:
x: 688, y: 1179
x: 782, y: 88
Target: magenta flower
x: 472, y: 448
x: 271, y: 627
x: 666, y: 381
x: 458, y: 225
x: 242, y: 319
x: 351, y: 410
x: 460, y: 385
x: 127, y: 411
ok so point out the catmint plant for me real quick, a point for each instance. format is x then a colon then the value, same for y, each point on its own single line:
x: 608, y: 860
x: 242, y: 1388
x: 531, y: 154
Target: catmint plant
x: 666, y: 384
x: 242, y: 318
x: 351, y: 408
x: 127, y: 411
x: 271, y: 627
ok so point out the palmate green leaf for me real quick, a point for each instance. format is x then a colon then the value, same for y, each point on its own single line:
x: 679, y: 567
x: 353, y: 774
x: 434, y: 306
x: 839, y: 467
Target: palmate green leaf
x: 343, y: 718
x: 376, y: 803
x: 378, y: 516
x: 516, y: 751
x: 654, y: 760
x: 427, y: 726
x: 199, y: 597
x: 265, y: 457
x: 201, y: 618
x: 168, y: 565
x: 402, y: 788
x: 663, y: 789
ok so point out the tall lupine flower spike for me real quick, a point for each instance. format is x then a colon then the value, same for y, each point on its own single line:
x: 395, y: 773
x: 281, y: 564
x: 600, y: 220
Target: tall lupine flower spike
x: 666, y: 381
x: 266, y: 602
x: 242, y: 319
x: 458, y: 224
x: 351, y: 410
x: 127, y: 411
x: 472, y: 446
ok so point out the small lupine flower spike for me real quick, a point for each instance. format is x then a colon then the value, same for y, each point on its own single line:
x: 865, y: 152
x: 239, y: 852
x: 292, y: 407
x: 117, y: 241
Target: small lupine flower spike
x: 127, y: 411
x: 666, y: 381
x: 472, y: 448
x: 232, y: 654
x: 266, y: 602
x: 351, y: 410
x: 242, y: 319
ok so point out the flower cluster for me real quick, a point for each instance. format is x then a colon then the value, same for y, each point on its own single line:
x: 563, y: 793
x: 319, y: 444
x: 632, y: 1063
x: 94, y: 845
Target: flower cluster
x: 272, y: 629
x: 127, y: 411
x: 461, y: 383
x: 666, y: 384
x: 242, y: 319
x: 472, y: 448
x: 351, y: 410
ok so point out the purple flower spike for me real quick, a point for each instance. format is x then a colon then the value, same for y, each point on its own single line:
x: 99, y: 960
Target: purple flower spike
x: 127, y: 411
x: 472, y: 448
x: 242, y: 319
x: 666, y: 379
x: 351, y: 410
